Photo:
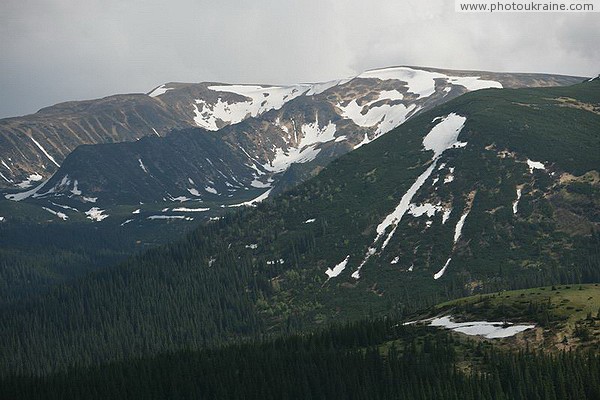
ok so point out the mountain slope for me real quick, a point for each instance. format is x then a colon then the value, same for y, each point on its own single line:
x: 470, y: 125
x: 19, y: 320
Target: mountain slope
x: 287, y: 125
x: 495, y: 189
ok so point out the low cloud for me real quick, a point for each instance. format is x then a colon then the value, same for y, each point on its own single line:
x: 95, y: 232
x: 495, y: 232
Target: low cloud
x: 65, y: 49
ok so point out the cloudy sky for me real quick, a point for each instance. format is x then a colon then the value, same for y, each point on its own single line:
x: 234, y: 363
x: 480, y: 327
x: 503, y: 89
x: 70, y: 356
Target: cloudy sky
x: 59, y: 50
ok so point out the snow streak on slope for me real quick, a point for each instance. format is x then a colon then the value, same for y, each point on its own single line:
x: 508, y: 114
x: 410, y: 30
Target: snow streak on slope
x: 457, y: 234
x: 60, y: 215
x: 44, y: 151
x: 516, y: 202
x: 442, y: 136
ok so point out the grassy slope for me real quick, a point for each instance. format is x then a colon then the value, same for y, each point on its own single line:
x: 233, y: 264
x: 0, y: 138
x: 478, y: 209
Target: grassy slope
x: 561, y: 311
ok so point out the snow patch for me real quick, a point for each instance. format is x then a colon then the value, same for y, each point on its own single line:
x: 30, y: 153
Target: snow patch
x: 305, y: 150
x: 60, y: 215
x: 29, y: 181
x: 259, y: 99
x: 210, y: 189
x: 75, y: 189
x: 332, y: 273
x: 440, y: 273
x: 516, y: 202
x: 252, y: 246
x: 142, y: 166
x: 253, y: 202
x: 310, y: 221
x: 159, y: 90
x: 184, y: 209
x: 422, y: 83
x: 459, y: 226
x: 182, y: 217
x: 395, y: 260
x: 126, y: 222
x: 535, y: 165
x: 96, y: 214
x: 193, y: 192
x: 490, y: 330
x: 136, y: 211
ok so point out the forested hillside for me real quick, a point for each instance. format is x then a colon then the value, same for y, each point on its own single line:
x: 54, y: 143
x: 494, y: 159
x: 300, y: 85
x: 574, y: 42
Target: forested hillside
x: 496, y: 189
x: 366, y: 360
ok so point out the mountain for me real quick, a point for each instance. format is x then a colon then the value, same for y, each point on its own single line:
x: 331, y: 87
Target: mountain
x: 495, y: 189
x: 264, y: 136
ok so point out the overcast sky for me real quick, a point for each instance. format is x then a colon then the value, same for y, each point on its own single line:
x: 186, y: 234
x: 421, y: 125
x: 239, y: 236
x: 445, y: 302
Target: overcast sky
x: 59, y: 50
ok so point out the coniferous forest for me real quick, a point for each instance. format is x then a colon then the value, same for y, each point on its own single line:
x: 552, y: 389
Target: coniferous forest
x: 365, y: 360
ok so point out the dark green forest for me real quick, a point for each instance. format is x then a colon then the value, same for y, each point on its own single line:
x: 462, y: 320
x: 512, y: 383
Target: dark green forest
x: 363, y: 360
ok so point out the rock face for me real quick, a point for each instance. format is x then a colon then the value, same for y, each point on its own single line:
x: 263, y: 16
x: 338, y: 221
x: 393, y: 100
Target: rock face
x: 264, y: 136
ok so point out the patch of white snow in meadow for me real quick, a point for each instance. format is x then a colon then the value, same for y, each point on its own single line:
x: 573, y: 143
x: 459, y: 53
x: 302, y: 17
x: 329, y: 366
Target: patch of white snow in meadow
x: 340, y: 138
x: 395, y: 260
x: 489, y: 330
x: 310, y: 221
x: 89, y: 199
x: 332, y: 273
x: 162, y: 89
x: 252, y: 246
x: 535, y: 165
x: 96, y: 214
x: 136, y: 211
x: 126, y: 222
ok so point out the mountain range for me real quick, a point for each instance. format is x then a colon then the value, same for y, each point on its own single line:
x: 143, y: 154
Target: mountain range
x: 494, y: 189
x: 219, y: 143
